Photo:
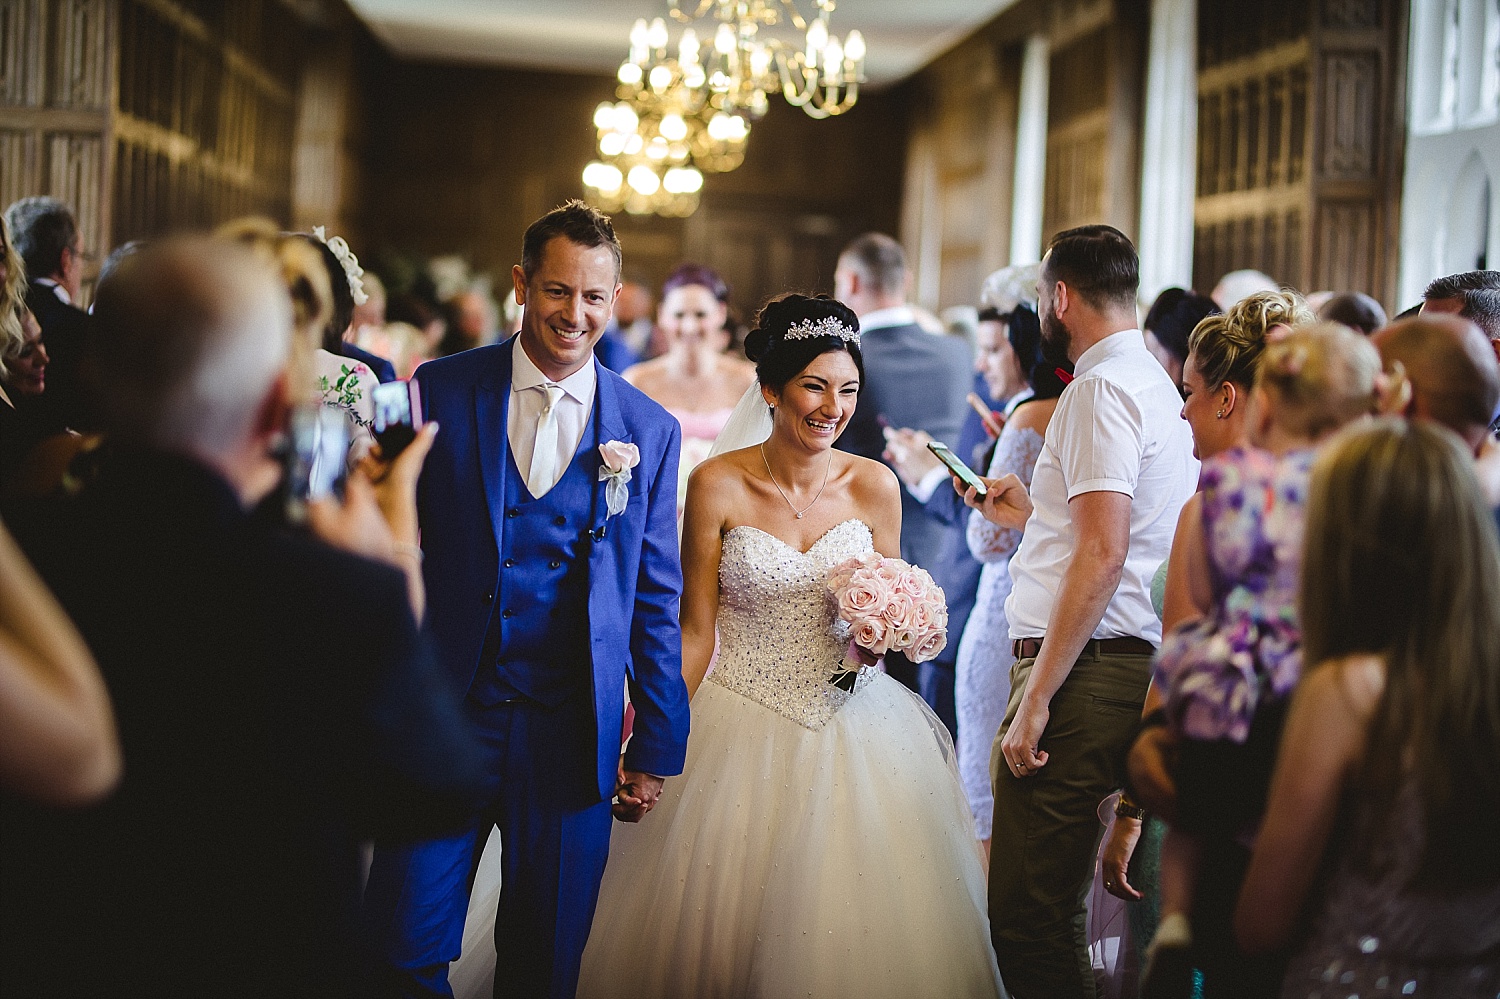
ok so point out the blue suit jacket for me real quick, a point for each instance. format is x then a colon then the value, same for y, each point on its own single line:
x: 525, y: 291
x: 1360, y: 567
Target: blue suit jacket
x: 635, y: 578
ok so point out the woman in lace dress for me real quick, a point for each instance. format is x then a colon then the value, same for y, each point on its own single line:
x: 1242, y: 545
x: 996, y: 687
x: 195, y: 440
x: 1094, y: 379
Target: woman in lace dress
x: 818, y: 842
x: 695, y: 380
x: 982, y: 684
x: 1377, y: 852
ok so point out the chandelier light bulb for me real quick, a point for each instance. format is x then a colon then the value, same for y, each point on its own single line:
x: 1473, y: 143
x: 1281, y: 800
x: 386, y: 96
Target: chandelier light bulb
x: 643, y: 180
x: 854, y: 47
x: 817, y: 38
x: 693, y: 76
x: 673, y: 128
x: 626, y: 120
x: 660, y: 78
x: 833, y: 61
x: 682, y: 180
x: 687, y: 49
x: 604, y: 116
x: 657, y: 149
x: 630, y: 74
x: 720, y: 127
x: 611, y: 144
x: 602, y: 177
x: 633, y: 145
x: 656, y: 35
x: 760, y: 62
x: 724, y: 41
x: 639, y: 34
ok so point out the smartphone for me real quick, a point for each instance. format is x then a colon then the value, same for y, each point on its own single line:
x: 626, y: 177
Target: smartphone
x: 315, y: 458
x: 398, y: 415
x: 964, y: 472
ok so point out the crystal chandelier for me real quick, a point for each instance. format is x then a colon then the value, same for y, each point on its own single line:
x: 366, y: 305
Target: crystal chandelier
x: 821, y: 75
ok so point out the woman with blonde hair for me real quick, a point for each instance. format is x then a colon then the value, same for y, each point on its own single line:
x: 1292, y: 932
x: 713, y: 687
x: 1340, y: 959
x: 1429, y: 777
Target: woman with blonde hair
x: 1387, y: 786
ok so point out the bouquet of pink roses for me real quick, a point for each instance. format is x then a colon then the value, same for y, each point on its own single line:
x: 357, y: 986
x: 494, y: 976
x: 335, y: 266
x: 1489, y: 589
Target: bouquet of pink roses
x: 888, y: 604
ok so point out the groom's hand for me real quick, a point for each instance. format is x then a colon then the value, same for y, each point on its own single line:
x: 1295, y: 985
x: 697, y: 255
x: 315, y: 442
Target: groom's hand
x: 635, y: 794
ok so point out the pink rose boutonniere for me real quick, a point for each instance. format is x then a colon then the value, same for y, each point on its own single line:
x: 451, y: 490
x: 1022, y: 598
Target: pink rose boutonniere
x: 888, y: 604
x: 619, y: 459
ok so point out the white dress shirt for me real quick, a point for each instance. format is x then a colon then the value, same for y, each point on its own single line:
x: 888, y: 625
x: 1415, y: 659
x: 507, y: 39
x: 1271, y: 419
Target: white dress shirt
x: 528, y: 399
x: 57, y: 289
x: 895, y: 315
x: 1117, y: 428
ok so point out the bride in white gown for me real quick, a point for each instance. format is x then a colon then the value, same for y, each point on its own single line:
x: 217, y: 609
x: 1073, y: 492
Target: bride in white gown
x: 818, y: 842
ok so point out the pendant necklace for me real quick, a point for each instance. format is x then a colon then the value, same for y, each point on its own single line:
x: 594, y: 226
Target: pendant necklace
x: 784, y: 496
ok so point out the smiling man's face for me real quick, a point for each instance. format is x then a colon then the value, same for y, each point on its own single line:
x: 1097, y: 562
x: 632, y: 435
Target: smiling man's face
x: 567, y: 303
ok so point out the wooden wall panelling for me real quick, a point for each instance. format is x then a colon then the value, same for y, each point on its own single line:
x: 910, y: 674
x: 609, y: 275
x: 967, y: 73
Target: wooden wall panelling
x: 1078, y: 129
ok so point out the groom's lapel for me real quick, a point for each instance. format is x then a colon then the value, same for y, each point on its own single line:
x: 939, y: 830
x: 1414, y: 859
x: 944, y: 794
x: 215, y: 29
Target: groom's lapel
x: 612, y: 427
x: 491, y: 409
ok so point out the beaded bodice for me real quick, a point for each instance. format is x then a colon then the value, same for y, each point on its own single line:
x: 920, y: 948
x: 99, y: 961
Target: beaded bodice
x: 777, y: 640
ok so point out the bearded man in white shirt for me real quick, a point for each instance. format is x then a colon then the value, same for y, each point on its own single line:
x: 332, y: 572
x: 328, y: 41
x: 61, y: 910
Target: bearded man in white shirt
x: 1116, y: 467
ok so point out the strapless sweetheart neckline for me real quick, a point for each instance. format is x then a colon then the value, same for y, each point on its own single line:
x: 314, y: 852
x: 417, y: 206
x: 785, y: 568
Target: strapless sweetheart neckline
x: 810, y: 548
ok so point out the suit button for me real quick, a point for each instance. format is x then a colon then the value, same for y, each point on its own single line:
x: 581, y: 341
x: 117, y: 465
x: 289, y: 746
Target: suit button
x: 555, y: 564
x: 560, y: 520
x: 510, y: 563
x: 507, y: 614
x: 513, y: 513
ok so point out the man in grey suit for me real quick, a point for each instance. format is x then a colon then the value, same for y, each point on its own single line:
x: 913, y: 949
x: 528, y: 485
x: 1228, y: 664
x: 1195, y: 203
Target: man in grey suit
x: 913, y: 379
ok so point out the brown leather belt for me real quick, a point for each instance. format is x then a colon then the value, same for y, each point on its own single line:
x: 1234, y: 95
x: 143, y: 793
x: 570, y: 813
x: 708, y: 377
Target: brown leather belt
x: 1028, y: 648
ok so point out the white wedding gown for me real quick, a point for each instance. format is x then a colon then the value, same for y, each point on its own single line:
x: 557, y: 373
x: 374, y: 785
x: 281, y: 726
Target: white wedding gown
x: 818, y: 842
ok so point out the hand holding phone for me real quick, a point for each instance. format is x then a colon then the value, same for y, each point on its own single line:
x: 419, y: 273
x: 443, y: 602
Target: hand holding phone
x: 964, y: 473
x: 398, y: 416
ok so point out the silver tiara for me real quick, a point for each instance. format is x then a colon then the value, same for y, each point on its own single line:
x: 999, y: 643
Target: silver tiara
x: 827, y: 326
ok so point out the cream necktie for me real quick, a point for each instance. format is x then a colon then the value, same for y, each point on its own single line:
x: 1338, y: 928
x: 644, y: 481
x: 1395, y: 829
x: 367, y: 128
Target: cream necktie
x: 543, y: 475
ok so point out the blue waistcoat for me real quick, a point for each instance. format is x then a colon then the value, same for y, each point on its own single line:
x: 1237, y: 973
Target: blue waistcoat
x: 538, y: 638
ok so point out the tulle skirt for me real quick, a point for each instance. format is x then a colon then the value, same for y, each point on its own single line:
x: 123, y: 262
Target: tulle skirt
x: 789, y: 861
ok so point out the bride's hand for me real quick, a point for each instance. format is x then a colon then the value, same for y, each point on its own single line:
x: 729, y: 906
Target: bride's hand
x: 636, y: 794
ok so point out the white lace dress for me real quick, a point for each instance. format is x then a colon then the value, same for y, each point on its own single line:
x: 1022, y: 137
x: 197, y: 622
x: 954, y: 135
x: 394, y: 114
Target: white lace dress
x: 982, y: 670
x: 818, y: 843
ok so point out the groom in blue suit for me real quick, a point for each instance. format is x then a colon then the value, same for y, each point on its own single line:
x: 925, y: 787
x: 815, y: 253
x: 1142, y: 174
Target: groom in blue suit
x: 552, y: 581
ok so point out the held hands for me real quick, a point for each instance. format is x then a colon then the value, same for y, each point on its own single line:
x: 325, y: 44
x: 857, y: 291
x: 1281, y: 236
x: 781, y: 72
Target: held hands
x: 1006, y: 502
x: 1115, y: 860
x: 906, y: 450
x: 1019, y: 747
x: 635, y: 794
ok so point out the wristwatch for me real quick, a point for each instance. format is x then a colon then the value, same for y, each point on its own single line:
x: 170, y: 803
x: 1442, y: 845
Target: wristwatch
x: 1126, y: 809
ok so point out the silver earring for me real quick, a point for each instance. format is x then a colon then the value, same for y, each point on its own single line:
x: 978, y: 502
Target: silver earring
x: 1219, y: 414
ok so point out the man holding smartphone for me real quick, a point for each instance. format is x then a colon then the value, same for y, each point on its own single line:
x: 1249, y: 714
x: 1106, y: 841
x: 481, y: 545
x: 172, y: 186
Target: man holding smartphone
x: 1115, y: 469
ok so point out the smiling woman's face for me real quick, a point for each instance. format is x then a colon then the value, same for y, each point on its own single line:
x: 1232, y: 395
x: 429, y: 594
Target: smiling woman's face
x: 814, y: 407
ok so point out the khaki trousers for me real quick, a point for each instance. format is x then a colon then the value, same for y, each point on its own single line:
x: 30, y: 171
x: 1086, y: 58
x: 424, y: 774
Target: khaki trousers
x: 1047, y: 829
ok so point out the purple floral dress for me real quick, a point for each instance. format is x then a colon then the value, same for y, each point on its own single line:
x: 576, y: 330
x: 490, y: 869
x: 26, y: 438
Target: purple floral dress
x: 1216, y: 670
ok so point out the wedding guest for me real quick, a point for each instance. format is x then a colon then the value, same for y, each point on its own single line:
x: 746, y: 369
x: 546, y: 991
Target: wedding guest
x: 1475, y: 295
x: 1168, y: 324
x: 632, y: 316
x: 985, y: 658
x: 113, y: 261
x: 421, y: 314
x: 1241, y: 284
x: 1115, y: 468
x: 47, y: 239
x: 694, y: 380
x: 913, y: 379
x: 1454, y: 380
x: 1224, y: 679
x: 346, y: 283
x: 1223, y: 354
x: 277, y: 702
x: 1376, y: 860
x: 24, y: 421
x: 1355, y: 310
x: 473, y: 320
x: 549, y: 523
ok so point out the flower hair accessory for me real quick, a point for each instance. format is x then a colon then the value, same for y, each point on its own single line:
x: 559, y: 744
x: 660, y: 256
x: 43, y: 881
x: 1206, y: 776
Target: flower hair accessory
x: 619, y: 459
x: 352, y: 271
x: 806, y: 329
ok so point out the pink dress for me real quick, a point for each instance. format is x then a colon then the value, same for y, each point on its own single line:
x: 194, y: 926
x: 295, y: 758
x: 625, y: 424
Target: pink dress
x: 699, y: 430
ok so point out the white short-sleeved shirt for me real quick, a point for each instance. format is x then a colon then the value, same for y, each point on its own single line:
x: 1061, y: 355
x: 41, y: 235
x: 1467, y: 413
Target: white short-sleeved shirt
x: 1117, y: 428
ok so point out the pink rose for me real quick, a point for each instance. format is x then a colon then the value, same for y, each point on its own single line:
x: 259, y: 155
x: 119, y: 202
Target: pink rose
x: 928, y: 646
x: 890, y: 570
x: 871, y: 635
x: 620, y: 457
x: 902, y: 639
x: 923, y: 615
x: 898, y: 612
x: 863, y: 597
x: 912, y: 583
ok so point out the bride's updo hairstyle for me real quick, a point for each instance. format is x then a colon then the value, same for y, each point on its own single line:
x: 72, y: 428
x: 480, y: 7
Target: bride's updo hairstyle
x: 779, y: 358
